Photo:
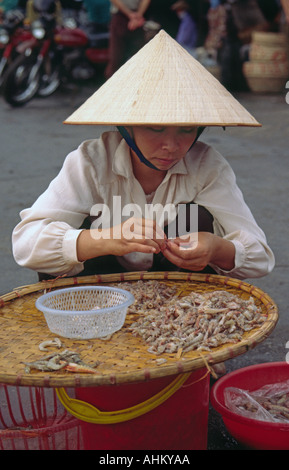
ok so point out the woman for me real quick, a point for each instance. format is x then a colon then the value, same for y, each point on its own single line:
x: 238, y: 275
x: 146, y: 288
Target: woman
x: 130, y: 185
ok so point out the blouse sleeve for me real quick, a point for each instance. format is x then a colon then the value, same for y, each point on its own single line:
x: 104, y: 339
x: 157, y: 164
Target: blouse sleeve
x: 45, y: 239
x: 233, y: 220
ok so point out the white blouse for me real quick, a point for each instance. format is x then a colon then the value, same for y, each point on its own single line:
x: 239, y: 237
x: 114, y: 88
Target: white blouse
x: 98, y: 171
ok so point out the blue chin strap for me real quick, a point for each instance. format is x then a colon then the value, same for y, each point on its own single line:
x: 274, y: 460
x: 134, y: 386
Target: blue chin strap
x: 131, y: 143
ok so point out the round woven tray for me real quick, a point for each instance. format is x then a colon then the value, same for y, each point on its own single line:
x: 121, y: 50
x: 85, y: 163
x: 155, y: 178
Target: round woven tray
x: 123, y: 358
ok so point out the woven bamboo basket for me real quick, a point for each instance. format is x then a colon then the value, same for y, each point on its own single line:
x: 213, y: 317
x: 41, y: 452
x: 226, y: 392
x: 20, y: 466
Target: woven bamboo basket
x: 273, y: 54
x: 123, y: 358
x: 268, y: 68
x: 265, y: 38
x: 265, y: 69
x: 266, y: 76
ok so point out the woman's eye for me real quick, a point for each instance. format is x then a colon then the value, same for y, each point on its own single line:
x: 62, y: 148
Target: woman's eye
x: 156, y: 129
x: 181, y: 130
x: 187, y: 130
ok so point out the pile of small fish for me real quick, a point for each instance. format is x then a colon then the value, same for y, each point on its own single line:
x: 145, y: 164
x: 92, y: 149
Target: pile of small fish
x: 198, y: 321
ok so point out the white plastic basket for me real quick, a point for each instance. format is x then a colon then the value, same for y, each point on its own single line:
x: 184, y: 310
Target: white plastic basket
x: 85, y: 312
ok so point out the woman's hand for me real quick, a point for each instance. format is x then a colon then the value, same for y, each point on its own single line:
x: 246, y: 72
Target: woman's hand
x: 196, y: 251
x: 137, y: 234
x: 133, y: 235
x: 135, y: 22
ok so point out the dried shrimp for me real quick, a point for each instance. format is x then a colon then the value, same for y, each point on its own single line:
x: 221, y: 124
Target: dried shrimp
x: 68, y: 360
x: 198, y: 321
x: 148, y: 295
x: 267, y: 403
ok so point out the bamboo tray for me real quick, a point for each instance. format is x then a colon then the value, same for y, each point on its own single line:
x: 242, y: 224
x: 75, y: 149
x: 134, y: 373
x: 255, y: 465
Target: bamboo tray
x: 124, y: 358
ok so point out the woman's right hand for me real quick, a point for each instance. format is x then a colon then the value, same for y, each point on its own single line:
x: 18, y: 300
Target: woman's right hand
x: 137, y: 234
x: 133, y: 235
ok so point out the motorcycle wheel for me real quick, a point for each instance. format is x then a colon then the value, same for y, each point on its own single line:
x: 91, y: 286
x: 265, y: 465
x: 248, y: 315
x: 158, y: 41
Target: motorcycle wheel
x: 3, y: 68
x: 22, y: 80
x: 50, y: 79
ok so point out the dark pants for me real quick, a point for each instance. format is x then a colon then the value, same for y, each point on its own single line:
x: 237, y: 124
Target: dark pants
x: 109, y: 264
x: 123, y: 43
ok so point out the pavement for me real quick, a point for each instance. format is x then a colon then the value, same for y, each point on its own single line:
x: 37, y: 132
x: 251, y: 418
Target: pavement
x: 34, y: 143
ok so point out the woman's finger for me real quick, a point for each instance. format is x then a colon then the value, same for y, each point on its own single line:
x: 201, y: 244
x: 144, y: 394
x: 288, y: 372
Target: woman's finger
x: 182, y: 250
x: 142, y: 228
x: 181, y: 262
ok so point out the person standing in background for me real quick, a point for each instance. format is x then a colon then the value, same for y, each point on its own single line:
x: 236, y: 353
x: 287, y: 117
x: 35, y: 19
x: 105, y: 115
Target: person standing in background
x: 6, y: 5
x: 32, y: 12
x: 126, y: 31
x: 161, y: 12
x: 285, y: 6
x: 188, y: 32
x: 98, y: 13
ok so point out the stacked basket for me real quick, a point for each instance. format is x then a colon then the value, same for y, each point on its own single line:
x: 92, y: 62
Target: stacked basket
x: 268, y: 67
x: 31, y: 418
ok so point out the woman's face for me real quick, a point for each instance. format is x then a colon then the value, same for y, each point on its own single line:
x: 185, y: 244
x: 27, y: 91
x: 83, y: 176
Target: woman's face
x: 164, y: 146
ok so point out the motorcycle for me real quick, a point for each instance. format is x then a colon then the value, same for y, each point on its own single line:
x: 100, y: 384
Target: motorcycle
x: 12, y: 33
x: 60, y: 53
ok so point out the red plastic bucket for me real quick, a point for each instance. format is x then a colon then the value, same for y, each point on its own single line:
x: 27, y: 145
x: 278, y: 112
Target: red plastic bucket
x: 261, y: 435
x: 180, y: 422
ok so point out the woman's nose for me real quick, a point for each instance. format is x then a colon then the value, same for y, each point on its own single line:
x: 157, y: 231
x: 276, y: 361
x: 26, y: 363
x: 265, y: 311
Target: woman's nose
x: 170, y: 143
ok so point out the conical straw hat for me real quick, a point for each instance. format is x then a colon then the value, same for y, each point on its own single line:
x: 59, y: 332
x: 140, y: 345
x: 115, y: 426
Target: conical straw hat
x: 162, y: 84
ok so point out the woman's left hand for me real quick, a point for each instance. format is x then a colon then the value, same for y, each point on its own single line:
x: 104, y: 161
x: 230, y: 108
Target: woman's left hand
x: 198, y: 250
